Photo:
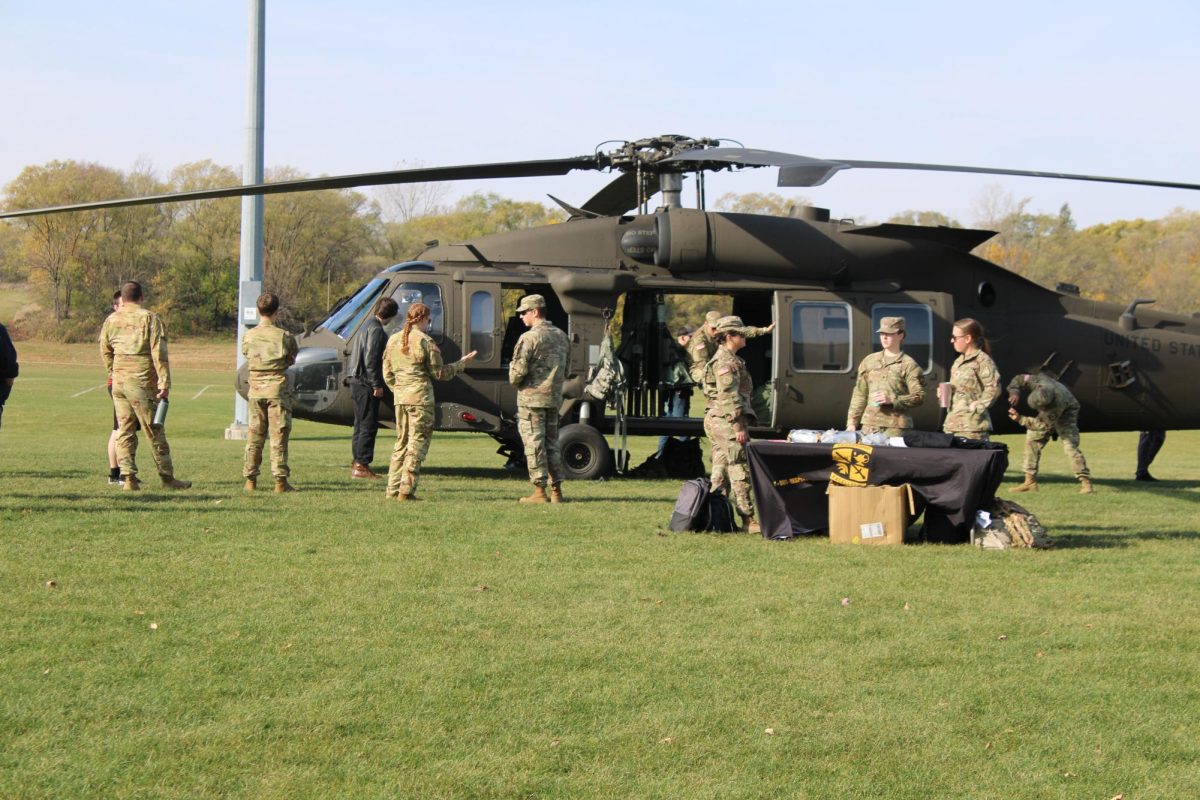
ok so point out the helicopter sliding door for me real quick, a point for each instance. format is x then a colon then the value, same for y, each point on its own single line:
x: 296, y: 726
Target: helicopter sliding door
x: 822, y: 337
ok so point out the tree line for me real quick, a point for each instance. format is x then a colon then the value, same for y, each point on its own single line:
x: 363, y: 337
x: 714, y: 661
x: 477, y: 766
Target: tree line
x: 320, y: 245
x: 317, y: 246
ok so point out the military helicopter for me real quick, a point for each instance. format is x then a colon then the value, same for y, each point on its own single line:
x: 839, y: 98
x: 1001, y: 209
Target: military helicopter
x: 825, y: 282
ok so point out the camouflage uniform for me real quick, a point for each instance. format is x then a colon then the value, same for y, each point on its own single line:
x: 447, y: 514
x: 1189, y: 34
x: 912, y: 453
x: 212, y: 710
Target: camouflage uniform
x: 976, y: 386
x: 539, y: 365
x: 727, y: 386
x: 1058, y: 413
x: 269, y: 351
x: 410, y: 376
x: 897, y: 375
x: 702, y: 346
x: 133, y: 344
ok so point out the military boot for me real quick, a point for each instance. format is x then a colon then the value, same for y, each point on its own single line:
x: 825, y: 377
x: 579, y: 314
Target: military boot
x: 407, y: 498
x: 556, y: 495
x: 538, y: 496
x: 282, y: 486
x: 1030, y: 484
x: 750, y: 525
x: 131, y: 484
x: 175, y: 483
x: 251, y: 484
x: 1085, y: 485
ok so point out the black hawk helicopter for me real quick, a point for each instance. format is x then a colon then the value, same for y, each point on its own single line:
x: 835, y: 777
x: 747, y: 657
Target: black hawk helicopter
x: 824, y: 282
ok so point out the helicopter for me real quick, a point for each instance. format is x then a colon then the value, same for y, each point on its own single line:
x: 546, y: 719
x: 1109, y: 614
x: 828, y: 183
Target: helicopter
x: 825, y: 283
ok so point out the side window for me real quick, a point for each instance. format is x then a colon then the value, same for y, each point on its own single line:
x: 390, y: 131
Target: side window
x: 918, y: 330
x: 483, y: 322
x: 428, y: 293
x: 820, y: 337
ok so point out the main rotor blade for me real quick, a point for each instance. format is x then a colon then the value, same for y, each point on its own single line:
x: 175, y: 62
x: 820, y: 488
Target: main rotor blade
x: 621, y: 194
x: 797, y: 170
x: 814, y: 172
x: 510, y: 169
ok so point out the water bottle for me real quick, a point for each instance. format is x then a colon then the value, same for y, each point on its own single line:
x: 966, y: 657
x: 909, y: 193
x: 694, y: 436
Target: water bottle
x: 160, y: 413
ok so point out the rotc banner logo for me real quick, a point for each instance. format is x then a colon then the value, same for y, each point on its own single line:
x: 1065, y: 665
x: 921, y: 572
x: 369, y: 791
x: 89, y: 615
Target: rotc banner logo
x: 851, y: 464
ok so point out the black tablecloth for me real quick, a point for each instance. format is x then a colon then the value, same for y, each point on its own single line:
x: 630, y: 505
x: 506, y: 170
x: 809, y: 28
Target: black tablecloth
x: 790, y: 482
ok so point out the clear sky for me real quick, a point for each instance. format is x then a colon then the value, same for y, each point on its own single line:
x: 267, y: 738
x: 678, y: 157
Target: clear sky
x: 1098, y: 87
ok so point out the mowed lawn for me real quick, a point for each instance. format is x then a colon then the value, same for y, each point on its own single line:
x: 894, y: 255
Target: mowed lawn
x: 210, y: 643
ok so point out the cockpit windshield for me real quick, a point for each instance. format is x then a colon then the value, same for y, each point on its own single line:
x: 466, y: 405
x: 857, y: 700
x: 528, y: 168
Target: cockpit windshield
x: 346, y: 317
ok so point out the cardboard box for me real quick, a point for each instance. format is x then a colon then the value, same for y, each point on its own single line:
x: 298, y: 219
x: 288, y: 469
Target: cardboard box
x: 869, y: 514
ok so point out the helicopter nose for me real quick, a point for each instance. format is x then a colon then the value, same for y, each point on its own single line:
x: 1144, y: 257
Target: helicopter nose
x: 315, y: 379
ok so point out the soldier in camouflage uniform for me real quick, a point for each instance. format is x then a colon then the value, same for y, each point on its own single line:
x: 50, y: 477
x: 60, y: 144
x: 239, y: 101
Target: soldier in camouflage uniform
x: 703, y: 344
x: 411, y: 362
x: 889, y: 384
x: 1058, y: 415
x: 133, y: 344
x: 269, y: 351
x: 975, y: 381
x: 728, y: 417
x: 539, y: 366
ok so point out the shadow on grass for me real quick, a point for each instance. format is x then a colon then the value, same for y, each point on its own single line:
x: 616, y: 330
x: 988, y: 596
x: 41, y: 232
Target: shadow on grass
x: 1124, y: 485
x: 1098, y: 537
x: 53, y: 474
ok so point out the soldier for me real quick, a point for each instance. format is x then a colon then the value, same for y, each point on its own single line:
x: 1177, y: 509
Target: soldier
x: 729, y: 414
x: 890, y: 381
x: 410, y: 363
x: 703, y: 345
x: 975, y: 382
x: 133, y: 344
x: 367, y: 386
x: 9, y: 368
x: 539, y: 366
x: 1058, y: 415
x: 269, y: 351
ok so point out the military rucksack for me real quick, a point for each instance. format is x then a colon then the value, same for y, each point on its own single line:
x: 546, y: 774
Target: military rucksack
x: 1011, y: 526
x: 699, y: 509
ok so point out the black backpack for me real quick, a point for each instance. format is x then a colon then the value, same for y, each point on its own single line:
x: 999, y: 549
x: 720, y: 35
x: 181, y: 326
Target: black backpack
x: 699, y: 509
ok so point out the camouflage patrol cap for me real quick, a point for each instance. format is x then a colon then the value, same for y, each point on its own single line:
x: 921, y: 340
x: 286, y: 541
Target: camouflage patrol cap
x: 712, y: 317
x: 731, y: 325
x: 531, y: 301
x: 1039, y: 399
x: 891, y: 325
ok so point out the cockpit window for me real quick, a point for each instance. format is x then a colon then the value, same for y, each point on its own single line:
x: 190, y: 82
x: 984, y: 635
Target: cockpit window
x: 345, y: 318
x: 411, y: 292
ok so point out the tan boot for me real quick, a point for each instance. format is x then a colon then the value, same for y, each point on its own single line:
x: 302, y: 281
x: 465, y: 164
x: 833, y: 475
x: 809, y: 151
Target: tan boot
x: 1085, y: 485
x: 363, y: 471
x: 556, y: 495
x: 131, y: 484
x: 282, y: 486
x: 407, y: 498
x: 175, y: 483
x: 251, y: 484
x: 750, y: 525
x: 1030, y: 484
x: 538, y: 496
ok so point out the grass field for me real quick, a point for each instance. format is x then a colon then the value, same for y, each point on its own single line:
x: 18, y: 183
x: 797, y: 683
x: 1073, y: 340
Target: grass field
x: 211, y: 643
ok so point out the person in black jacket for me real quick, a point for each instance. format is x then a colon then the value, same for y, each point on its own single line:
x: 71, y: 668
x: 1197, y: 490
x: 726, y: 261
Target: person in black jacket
x: 367, y: 388
x: 1149, y: 443
x: 8, y: 367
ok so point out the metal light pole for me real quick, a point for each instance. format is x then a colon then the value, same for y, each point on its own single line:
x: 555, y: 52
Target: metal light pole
x: 250, y: 263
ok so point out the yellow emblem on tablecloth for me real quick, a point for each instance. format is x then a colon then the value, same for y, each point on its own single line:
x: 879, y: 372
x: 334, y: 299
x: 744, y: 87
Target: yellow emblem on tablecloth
x: 851, y: 464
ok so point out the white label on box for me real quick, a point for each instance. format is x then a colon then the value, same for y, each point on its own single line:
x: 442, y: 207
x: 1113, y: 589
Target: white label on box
x: 871, y: 530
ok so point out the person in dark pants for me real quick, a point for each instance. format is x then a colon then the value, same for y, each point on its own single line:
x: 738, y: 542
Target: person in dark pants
x: 365, y: 376
x: 1149, y: 443
x: 8, y: 367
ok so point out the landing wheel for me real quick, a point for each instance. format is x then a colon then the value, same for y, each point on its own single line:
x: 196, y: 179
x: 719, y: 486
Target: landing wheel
x: 585, y: 454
